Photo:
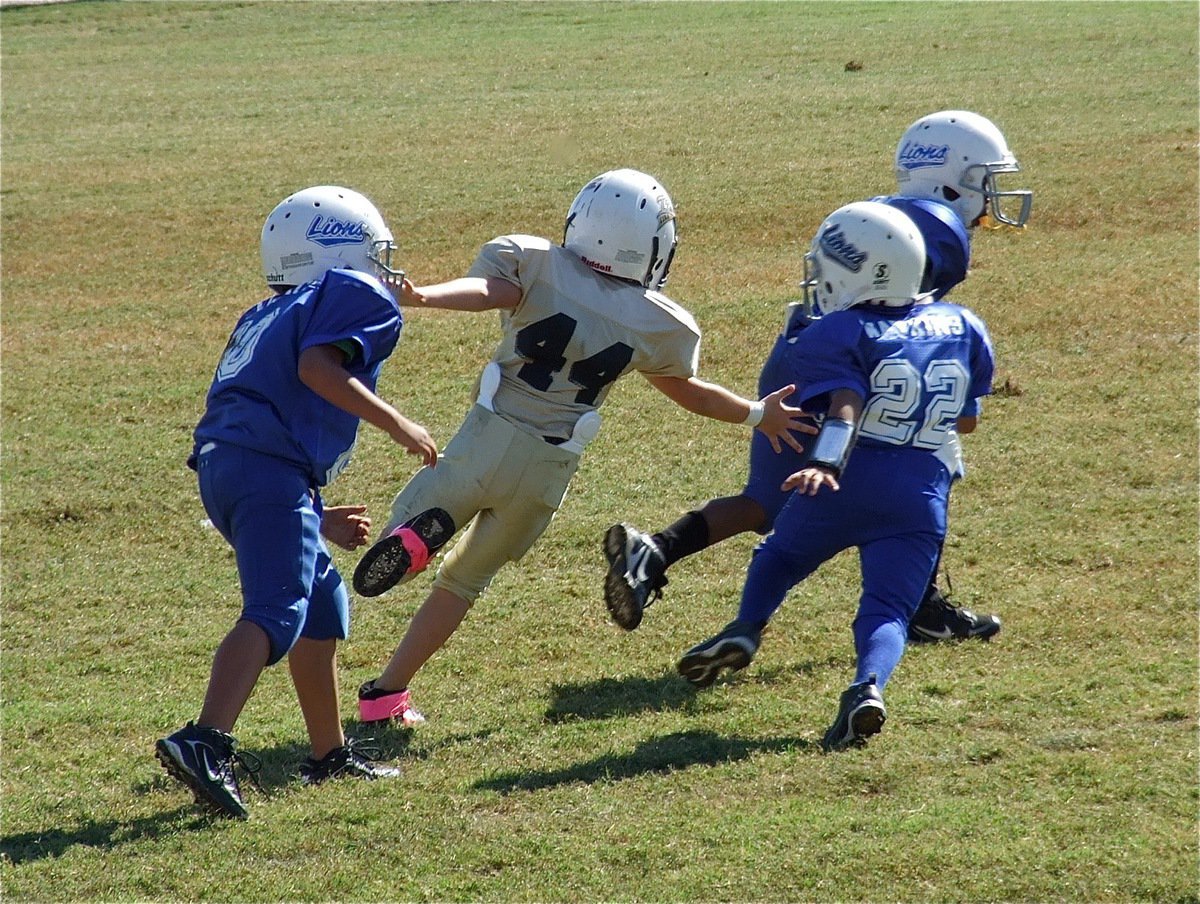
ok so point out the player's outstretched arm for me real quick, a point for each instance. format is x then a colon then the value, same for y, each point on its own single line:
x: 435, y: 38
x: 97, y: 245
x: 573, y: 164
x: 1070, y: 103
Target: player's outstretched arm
x: 321, y: 370
x: 777, y: 420
x: 470, y: 293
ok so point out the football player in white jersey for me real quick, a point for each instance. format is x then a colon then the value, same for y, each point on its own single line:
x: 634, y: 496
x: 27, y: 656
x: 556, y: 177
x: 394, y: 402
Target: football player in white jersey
x: 947, y: 167
x: 575, y: 317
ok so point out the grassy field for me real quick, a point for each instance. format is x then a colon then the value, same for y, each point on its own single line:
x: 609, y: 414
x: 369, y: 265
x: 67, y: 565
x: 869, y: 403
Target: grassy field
x: 143, y: 143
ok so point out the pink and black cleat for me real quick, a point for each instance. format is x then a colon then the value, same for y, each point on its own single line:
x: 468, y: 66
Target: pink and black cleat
x: 404, y: 553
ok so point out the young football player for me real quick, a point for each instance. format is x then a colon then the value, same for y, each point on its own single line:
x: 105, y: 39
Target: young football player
x: 891, y: 371
x: 282, y: 415
x: 947, y: 169
x: 575, y: 317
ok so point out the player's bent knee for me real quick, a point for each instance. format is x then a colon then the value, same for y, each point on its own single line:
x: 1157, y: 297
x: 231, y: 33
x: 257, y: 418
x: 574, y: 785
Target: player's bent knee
x: 468, y: 590
x: 282, y: 633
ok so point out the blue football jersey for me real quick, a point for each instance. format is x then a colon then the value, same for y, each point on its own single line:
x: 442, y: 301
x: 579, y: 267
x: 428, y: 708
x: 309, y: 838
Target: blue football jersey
x: 947, y: 242
x: 917, y: 368
x: 257, y: 399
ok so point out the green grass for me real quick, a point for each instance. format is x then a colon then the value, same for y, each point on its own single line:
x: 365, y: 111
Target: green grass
x: 143, y: 144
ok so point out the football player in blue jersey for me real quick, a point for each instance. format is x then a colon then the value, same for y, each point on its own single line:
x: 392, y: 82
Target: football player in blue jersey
x: 947, y: 169
x: 893, y: 371
x: 282, y: 414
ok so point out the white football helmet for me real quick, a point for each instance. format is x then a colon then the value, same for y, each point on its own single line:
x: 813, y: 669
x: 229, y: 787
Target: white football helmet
x: 623, y: 223
x: 323, y: 228
x: 955, y: 157
x: 865, y: 252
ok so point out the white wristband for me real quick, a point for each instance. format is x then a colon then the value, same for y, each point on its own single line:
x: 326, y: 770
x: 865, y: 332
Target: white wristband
x: 754, y: 418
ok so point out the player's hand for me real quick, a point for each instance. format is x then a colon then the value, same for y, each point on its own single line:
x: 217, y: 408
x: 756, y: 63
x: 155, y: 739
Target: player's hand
x: 402, y: 289
x: 416, y: 439
x: 809, y: 480
x: 779, y: 420
x: 409, y: 294
x: 347, y: 526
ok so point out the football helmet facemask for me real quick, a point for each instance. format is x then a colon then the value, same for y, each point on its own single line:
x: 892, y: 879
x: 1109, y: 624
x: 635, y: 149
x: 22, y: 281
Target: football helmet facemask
x: 957, y: 157
x: 864, y: 252
x: 322, y: 228
x: 622, y: 223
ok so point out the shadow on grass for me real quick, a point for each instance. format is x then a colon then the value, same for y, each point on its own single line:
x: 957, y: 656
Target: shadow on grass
x: 279, y: 772
x: 609, y: 698
x: 25, y: 847
x: 657, y: 755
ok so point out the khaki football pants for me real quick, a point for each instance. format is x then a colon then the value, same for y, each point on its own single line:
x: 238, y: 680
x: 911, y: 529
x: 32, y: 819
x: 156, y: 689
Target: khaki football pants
x: 507, y: 483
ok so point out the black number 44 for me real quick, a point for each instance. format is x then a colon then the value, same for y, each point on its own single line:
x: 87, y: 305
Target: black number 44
x: 543, y: 344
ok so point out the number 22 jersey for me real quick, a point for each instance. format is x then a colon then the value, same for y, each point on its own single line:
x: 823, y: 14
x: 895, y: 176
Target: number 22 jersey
x: 917, y: 368
x: 257, y: 399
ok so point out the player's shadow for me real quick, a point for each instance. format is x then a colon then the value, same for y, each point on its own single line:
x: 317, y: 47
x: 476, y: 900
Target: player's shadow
x: 25, y: 847
x: 667, y: 753
x: 277, y: 776
x: 608, y: 698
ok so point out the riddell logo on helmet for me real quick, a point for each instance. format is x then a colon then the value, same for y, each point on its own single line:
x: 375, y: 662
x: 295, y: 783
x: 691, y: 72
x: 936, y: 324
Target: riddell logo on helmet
x: 915, y: 155
x: 603, y: 268
x: 330, y: 232
x: 666, y: 213
x: 837, y: 247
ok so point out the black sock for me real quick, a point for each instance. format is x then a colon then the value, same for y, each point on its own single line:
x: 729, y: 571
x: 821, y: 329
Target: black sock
x: 686, y: 536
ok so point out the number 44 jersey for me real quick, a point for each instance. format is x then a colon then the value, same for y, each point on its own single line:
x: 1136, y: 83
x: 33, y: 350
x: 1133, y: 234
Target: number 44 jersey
x: 918, y: 369
x: 574, y: 333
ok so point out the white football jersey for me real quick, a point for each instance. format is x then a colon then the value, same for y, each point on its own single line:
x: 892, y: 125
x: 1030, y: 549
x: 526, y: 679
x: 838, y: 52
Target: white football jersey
x: 574, y: 333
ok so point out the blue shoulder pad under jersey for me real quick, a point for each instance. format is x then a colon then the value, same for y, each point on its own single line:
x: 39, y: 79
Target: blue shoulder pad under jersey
x: 354, y: 306
x: 947, y: 244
